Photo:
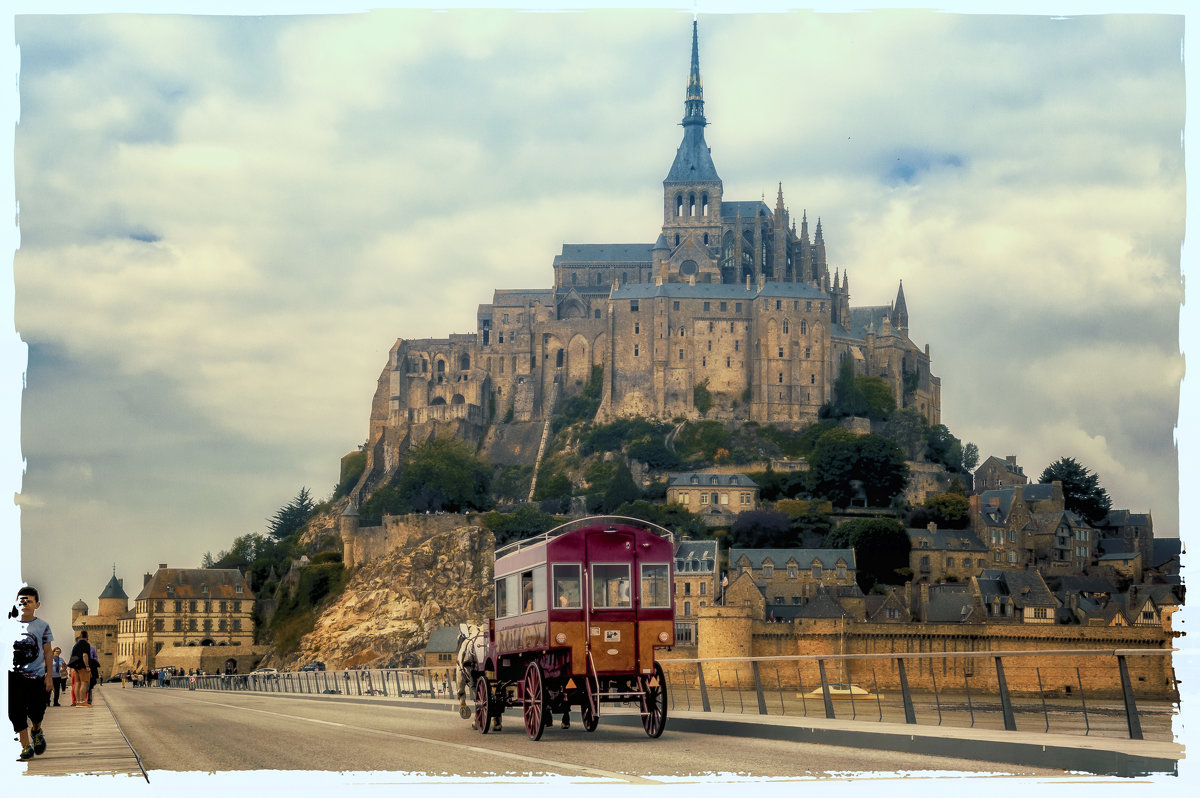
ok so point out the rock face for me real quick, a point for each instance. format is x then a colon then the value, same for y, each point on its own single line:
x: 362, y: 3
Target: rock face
x: 393, y: 603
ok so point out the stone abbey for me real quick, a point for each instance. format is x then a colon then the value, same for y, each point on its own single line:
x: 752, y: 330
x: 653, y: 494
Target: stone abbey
x: 732, y: 296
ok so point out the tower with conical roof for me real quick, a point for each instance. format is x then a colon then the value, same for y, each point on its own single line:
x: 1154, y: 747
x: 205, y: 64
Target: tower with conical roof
x: 692, y: 189
x: 113, y: 600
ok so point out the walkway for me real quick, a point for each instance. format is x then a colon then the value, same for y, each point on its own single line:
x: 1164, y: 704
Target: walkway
x: 84, y: 740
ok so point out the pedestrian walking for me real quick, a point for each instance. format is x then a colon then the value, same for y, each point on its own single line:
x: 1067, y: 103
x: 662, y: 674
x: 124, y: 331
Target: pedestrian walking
x: 59, y: 673
x: 81, y: 670
x: 31, y: 676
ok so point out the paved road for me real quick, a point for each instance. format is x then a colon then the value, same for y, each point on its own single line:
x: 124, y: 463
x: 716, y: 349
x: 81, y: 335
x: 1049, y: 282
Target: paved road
x: 175, y: 730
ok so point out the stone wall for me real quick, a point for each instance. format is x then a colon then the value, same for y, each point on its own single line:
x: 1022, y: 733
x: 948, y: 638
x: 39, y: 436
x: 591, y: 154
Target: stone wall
x: 730, y: 632
x: 396, y: 532
x: 211, y: 659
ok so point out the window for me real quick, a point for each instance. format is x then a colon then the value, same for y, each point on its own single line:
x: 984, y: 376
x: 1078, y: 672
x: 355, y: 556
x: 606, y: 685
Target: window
x: 687, y: 588
x: 610, y: 586
x: 177, y: 626
x: 1039, y: 612
x: 703, y: 590
x: 506, y: 596
x: 637, y: 328
x: 841, y: 571
x: 567, y: 593
x: 158, y: 624
x: 816, y: 571
x: 191, y: 624
x: 779, y: 599
x: 708, y: 307
x: 724, y: 306
x: 635, y: 350
x: 237, y: 624
x: 158, y: 606
x: 737, y: 307
x: 533, y: 589
x: 792, y: 572
x: 687, y: 608
x: 192, y: 605
x: 681, y: 354
x: 768, y: 571
x: 704, y: 498
x: 633, y: 306
x: 656, y: 585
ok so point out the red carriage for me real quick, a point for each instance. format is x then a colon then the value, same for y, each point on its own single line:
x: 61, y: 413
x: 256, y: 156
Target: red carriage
x: 580, y: 612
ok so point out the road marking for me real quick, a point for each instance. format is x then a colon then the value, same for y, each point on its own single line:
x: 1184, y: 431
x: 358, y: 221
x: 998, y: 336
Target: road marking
x: 548, y: 763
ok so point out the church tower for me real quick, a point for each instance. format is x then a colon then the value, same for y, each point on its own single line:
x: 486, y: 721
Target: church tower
x: 692, y: 189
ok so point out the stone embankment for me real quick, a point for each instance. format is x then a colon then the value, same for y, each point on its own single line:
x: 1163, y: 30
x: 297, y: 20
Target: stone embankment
x: 394, y: 601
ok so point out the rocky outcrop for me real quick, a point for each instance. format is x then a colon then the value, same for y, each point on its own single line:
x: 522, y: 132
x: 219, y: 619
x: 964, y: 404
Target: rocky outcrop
x: 393, y: 603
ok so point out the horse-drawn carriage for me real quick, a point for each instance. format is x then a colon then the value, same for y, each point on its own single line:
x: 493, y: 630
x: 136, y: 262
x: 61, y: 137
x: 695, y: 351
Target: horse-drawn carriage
x: 580, y: 611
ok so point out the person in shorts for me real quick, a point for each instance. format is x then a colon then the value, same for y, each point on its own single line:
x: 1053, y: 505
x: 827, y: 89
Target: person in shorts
x: 31, y: 676
x: 81, y: 670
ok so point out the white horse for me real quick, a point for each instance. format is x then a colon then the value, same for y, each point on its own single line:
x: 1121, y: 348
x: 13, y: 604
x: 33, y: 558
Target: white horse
x: 470, y: 659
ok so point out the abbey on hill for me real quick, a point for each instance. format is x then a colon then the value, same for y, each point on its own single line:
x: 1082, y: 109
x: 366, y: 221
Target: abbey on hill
x: 731, y: 296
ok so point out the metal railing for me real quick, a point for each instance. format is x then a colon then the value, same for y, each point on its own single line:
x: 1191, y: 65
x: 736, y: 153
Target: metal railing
x: 1089, y: 692
x: 429, y: 682
x: 1074, y: 691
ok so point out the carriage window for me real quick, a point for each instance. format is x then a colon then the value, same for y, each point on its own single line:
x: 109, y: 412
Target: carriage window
x: 610, y: 586
x: 566, y: 587
x: 533, y: 589
x: 506, y: 596
x: 656, y: 585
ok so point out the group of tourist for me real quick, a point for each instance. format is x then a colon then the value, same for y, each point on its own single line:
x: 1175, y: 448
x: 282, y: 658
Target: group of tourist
x: 150, y: 678
x: 39, y: 673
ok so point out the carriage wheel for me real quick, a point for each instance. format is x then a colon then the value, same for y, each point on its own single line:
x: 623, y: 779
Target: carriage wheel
x: 654, y: 702
x: 534, y: 696
x: 483, y: 694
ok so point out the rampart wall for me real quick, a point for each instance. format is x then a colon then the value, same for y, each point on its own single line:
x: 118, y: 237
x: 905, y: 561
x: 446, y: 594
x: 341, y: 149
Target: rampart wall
x: 730, y: 632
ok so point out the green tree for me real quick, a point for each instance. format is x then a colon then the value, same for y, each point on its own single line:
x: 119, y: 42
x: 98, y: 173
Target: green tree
x: 526, y: 521
x: 621, y: 490
x: 291, y: 518
x: 881, y: 548
x: 838, y: 463
x: 1081, y: 488
x: 440, y: 474
x: 702, y: 397
x: 942, y: 448
x: 668, y: 516
x: 848, y: 399
x: 970, y: 456
x: 949, y: 510
x: 877, y: 395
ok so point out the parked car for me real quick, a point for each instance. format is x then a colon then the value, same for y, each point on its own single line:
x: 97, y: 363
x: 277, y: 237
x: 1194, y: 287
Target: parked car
x: 313, y: 666
x: 266, y: 673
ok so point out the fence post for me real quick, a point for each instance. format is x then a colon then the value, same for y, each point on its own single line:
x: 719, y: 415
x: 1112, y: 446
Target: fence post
x: 703, y: 689
x: 762, y: 702
x: 910, y: 715
x: 1010, y: 722
x: 1131, y: 713
x: 825, y: 690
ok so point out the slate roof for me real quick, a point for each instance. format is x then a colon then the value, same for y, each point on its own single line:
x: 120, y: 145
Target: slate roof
x: 1118, y: 556
x: 748, y: 209
x: 188, y: 583
x: 702, y: 479
x: 1025, y: 588
x: 581, y: 254
x: 696, y: 550
x: 444, y: 640
x: 946, y: 540
x: 951, y: 603
x: 1165, y: 549
x: 113, y: 589
x: 516, y: 297
x: 803, y: 557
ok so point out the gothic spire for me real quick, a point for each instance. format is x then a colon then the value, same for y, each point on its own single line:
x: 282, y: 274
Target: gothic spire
x: 900, y: 309
x: 693, y: 162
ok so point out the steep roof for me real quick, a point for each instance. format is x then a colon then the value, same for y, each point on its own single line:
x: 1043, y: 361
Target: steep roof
x: 803, y: 557
x: 945, y: 540
x: 703, y: 478
x: 113, y: 589
x: 1025, y: 588
x: 950, y: 603
x: 604, y: 253
x: 189, y: 583
x: 728, y: 291
x: 693, y: 160
x: 444, y: 640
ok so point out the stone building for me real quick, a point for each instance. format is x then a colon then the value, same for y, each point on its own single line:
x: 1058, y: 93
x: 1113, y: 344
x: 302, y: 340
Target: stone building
x: 941, y: 554
x: 696, y: 585
x: 102, y: 628
x: 995, y: 473
x: 792, y: 576
x: 730, y: 296
x: 1029, y: 525
x: 1017, y: 596
x: 182, y: 608
x: 717, y: 498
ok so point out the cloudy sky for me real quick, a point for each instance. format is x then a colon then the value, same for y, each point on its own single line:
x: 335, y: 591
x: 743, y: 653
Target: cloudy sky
x: 225, y: 222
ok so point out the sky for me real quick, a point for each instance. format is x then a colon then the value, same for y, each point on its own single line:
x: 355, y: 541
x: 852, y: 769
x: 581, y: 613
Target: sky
x: 225, y: 222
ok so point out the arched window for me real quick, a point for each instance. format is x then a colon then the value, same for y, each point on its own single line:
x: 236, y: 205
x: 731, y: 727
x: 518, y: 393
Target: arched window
x: 679, y: 205
x: 691, y: 204
x: 465, y: 363
x: 558, y: 359
x: 704, y: 206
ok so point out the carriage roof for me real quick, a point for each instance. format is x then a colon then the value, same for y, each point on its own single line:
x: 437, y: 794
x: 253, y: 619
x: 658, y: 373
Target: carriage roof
x: 591, y: 522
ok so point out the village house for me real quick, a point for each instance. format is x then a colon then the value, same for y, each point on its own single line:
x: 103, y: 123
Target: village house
x: 717, y: 498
